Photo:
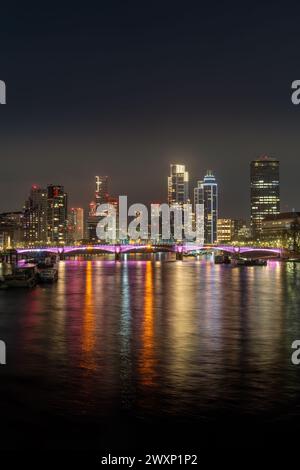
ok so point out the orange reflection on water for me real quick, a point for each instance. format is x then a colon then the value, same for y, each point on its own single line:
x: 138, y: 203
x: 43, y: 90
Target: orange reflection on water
x: 88, y: 340
x: 147, y: 355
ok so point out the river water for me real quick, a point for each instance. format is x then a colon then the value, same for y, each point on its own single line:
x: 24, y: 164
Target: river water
x: 119, y: 354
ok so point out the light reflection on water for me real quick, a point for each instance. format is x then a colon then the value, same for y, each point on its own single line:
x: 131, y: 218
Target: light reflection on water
x: 154, y: 337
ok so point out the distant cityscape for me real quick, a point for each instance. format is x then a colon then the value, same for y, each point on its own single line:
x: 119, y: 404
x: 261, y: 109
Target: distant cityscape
x: 46, y: 218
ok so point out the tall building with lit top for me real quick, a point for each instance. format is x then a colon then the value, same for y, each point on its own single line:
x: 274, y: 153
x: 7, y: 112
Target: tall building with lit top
x: 178, y: 193
x: 101, y: 197
x: 265, y: 191
x: 101, y: 193
x: 35, y: 216
x: 178, y: 185
x: 57, y: 213
x: 206, y: 193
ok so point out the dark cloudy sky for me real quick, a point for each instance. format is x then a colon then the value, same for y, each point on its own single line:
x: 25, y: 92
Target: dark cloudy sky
x: 125, y: 88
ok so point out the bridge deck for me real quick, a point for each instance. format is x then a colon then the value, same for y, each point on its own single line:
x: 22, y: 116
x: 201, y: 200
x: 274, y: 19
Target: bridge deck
x: 186, y: 248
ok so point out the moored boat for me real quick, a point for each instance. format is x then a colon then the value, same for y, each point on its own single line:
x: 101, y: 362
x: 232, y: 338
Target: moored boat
x: 222, y: 259
x: 47, y: 271
x: 261, y: 262
x: 251, y: 262
x: 21, y: 276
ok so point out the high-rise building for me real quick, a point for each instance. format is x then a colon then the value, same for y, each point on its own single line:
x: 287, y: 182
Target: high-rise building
x: 91, y: 222
x: 178, y: 185
x: 101, y: 193
x: 101, y: 197
x: 178, y: 194
x: 56, y: 214
x: 206, y: 193
x: 76, y: 224
x: 265, y: 191
x: 35, y: 217
x: 114, y: 202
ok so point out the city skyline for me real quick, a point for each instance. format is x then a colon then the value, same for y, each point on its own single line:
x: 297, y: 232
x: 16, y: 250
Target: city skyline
x: 85, y: 200
x: 48, y: 219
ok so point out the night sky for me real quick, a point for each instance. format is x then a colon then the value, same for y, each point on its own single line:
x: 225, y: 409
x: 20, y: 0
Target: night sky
x: 125, y: 88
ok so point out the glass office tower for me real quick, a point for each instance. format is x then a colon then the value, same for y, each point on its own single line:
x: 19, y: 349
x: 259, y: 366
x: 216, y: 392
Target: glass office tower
x: 265, y: 191
x: 178, y: 185
x: 206, y: 193
x: 57, y: 214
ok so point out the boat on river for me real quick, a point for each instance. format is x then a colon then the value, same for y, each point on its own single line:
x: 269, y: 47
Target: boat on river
x: 21, y: 276
x: 222, y: 259
x: 47, y: 270
x: 251, y: 262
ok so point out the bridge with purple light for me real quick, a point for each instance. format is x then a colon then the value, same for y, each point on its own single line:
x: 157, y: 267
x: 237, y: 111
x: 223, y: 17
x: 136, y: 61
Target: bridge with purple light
x: 178, y: 249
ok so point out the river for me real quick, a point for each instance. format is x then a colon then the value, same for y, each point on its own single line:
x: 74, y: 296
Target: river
x: 117, y: 354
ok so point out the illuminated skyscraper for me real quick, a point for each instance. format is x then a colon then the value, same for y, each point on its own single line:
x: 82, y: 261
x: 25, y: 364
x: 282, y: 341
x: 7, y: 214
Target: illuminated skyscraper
x: 101, y: 193
x: 56, y: 214
x: 35, y: 217
x: 101, y: 197
x: 91, y: 222
x: 265, y: 191
x: 206, y: 193
x: 178, y: 185
x: 178, y: 193
x: 76, y: 224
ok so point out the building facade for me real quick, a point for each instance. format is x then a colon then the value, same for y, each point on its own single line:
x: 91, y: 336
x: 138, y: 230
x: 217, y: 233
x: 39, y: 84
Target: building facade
x: 281, y: 226
x: 206, y: 193
x: 101, y: 193
x: 101, y: 197
x: 178, y: 196
x: 178, y: 185
x: 225, y: 230
x: 244, y: 233
x: 35, y: 217
x: 57, y: 214
x: 265, y: 192
x: 91, y: 222
x: 229, y: 229
x: 76, y: 224
x: 11, y: 229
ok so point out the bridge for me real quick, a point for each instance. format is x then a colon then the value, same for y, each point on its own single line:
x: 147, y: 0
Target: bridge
x: 178, y: 249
